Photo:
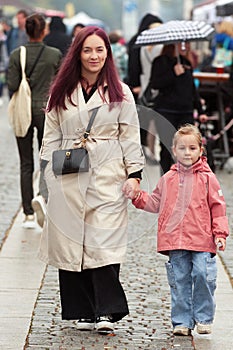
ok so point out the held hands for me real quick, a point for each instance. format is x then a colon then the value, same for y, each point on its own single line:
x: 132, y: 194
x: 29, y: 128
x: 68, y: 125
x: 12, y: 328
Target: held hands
x: 220, y: 243
x: 131, y: 188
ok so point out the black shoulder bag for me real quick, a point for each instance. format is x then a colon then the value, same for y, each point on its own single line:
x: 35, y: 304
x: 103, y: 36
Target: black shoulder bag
x: 73, y: 160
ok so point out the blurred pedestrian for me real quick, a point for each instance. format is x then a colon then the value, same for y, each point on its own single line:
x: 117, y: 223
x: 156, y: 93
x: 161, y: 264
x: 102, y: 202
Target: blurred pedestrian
x: 172, y: 76
x: 3, y: 61
x: 134, y: 62
x: 192, y: 225
x: 139, y: 67
x: 57, y: 36
x: 17, y: 35
x: 76, y: 29
x: 44, y: 71
x: 120, y: 54
x: 85, y: 233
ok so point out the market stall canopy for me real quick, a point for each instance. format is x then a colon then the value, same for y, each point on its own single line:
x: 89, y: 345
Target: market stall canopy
x: 83, y: 18
x: 224, y: 8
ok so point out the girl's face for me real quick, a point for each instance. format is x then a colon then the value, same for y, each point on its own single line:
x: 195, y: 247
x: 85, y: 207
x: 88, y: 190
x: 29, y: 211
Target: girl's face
x: 93, y: 55
x: 187, y: 150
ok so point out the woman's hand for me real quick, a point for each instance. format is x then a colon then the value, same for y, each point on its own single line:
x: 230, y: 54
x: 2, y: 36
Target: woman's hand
x: 203, y: 118
x: 179, y: 69
x: 131, y: 188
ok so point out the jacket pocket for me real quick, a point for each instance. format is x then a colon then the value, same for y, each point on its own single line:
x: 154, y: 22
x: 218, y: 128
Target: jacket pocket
x: 211, y: 269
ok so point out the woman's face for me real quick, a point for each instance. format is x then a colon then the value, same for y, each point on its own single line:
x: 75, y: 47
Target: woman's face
x: 93, y: 55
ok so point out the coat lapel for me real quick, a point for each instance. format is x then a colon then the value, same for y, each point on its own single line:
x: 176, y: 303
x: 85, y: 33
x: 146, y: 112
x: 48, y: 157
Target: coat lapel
x: 84, y: 108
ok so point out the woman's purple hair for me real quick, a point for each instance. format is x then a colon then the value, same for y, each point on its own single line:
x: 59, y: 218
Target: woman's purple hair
x: 69, y: 73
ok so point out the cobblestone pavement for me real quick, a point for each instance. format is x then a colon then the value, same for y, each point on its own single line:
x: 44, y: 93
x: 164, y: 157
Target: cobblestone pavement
x: 144, y: 279
x: 148, y: 325
x: 226, y: 181
x: 9, y: 174
x: 143, y: 276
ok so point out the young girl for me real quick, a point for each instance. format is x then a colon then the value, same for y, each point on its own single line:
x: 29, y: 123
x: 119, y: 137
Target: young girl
x: 192, y: 223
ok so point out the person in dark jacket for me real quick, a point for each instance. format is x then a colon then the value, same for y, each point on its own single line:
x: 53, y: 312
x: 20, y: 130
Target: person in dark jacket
x: 40, y: 79
x: 57, y: 36
x: 134, y: 62
x: 172, y: 76
x: 137, y: 66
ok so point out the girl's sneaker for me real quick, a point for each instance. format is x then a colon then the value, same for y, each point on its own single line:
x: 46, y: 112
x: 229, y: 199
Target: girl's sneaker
x: 204, y: 328
x: 85, y: 324
x: 181, y: 330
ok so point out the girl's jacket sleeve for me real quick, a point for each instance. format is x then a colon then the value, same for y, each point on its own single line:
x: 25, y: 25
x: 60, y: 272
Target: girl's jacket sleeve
x: 147, y: 202
x: 217, y: 207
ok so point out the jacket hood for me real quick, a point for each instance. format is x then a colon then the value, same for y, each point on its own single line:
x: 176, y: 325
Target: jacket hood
x: 57, y: 24
x: 201, y: 165
x: 147, y: 20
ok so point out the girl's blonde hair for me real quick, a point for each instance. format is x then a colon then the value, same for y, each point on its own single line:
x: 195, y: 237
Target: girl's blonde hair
x: 188, y: 129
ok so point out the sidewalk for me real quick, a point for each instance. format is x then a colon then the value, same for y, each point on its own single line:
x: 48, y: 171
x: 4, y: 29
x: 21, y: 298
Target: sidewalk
x: 30, y: 306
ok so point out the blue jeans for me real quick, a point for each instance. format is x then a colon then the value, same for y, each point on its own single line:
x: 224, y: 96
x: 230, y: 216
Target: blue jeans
x: 192, y: 279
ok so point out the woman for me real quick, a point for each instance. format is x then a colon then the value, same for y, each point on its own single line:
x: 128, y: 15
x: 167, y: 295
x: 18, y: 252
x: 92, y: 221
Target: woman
x: 40, y: 78
x: 85, y: 233
x: 177, y: 96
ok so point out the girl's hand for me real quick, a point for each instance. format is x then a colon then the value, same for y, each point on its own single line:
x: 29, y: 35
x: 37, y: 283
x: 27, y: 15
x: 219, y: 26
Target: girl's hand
x: 131, y: 188
x: 220, y: 243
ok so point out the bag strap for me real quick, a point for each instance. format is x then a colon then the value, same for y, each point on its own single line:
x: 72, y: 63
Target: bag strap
x: 88, y: 129
x: 35, y: 63
x: 23, y: 60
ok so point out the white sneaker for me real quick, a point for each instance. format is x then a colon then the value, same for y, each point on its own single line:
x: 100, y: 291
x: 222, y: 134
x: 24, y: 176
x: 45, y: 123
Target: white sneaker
x: 1, y: 102
x: 85, y: 324
x: 29, y: 222
x: 204, y: 328
x: 104, y: 324
x: 39, y: 207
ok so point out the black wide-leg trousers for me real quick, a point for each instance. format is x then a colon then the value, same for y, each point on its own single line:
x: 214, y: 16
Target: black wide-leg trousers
x: 92, y: 293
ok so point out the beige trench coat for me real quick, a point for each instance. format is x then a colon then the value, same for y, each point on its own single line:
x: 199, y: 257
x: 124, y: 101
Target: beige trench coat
x: 86, y: 223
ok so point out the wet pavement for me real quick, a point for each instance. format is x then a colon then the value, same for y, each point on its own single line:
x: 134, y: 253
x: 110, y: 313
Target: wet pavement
x: 29, y: 294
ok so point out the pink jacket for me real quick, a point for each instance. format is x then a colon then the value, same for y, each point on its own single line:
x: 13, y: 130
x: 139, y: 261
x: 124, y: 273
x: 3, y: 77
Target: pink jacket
x: 191, y: 207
